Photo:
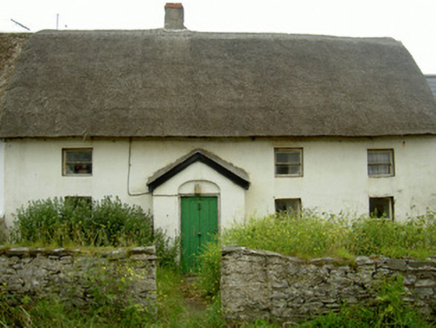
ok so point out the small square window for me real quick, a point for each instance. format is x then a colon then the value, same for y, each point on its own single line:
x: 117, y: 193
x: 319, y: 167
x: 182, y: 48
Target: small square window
x: 77, y: 161
x: 290, y: 206
x: 380, y: 162
x: 289, y: 162
x: 381, y: 208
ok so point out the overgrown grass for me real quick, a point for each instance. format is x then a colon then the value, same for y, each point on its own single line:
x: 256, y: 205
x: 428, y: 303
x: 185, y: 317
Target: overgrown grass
x: 209, y: 275
x: 173, y: 310
x: 64, y: 222
x: 313, y: 235
x: 75, y: 222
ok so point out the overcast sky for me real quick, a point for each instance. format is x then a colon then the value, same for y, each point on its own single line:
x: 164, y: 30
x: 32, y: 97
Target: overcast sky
x: 411, y: 22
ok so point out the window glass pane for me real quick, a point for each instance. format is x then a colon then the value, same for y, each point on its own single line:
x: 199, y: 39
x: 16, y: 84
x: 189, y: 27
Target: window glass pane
x: 282, y: 169
x: 379, y: 169
x: 380, y: 207
x: 379, y: 157
x: 77, y: 161
x: 292, y: 206
x: 288, y: 169
x: 294, y: 169
x: 288, y: 157
x: 77, y: 168
x: 79, y: 156
x: 380, y: 162
x: 281, y: 206
x: 69, y: 168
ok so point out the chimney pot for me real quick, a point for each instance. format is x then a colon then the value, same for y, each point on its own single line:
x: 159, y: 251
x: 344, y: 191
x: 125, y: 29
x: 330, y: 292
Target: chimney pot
x: 174, y: 16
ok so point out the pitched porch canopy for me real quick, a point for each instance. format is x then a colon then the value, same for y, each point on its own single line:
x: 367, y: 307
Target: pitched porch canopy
x: 233, y: 173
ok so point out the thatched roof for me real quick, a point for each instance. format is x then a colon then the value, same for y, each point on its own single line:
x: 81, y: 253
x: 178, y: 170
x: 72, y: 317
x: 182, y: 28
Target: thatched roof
x: 11, y: 45
x: 431, y: 79
x: 159, y: 83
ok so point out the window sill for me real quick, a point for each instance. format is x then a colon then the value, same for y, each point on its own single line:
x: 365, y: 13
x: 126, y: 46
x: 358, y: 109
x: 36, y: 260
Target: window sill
x: 77, y: 175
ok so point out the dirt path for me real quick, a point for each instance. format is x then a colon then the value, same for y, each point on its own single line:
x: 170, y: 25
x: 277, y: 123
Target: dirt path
x: 193, y: 298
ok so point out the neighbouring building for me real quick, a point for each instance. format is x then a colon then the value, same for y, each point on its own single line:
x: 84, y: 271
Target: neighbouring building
x: 203, y: 129
x: 431, y: 79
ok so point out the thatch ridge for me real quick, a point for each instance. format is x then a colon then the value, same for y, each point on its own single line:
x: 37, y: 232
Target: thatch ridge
x: 156, y: 83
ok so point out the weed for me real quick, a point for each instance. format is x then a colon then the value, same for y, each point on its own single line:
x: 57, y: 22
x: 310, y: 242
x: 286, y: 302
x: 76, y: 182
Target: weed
x: 317, y: 235
x: 389, y: 311
x: 60, y: 222
x: 209, y: 275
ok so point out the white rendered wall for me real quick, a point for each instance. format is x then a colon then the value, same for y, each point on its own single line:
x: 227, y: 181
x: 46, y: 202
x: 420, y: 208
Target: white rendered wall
x: 335, y: 174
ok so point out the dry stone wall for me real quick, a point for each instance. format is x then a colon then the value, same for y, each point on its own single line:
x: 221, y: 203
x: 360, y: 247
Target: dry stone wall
x: 261, y: 284
x: 79, y: 278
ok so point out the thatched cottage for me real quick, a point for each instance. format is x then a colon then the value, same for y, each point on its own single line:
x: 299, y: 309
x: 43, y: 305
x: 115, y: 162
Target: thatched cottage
x: 206, y: 128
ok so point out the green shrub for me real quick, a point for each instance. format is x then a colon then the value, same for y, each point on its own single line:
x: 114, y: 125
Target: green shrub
x: 167, y: 250
x: 209, y: 275
x: 416, y: 237
x: 73, y: 221
x: 308, y: 235
x: 315, y: 235
x: 63, y: 222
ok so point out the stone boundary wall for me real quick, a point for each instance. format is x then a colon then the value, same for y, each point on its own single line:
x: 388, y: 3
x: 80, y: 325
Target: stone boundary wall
x: 261, y: 284
x: 78, y: 276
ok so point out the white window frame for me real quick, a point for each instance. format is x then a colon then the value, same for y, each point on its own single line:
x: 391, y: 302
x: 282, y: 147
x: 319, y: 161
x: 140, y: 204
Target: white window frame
x: 389, y: 200
x: 300, y: 163
x: 390, y: 163
x: 64, y: 162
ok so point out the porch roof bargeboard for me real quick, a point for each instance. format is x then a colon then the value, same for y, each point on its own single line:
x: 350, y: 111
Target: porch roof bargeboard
x: 233, y: 173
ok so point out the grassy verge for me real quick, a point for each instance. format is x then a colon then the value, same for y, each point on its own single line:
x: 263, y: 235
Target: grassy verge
x: 175, y: 306
x: 313, y: 235
x: 175, y: 309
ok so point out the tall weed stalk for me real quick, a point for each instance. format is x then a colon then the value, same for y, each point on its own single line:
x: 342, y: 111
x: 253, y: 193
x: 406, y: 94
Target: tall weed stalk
x: 315, y: 235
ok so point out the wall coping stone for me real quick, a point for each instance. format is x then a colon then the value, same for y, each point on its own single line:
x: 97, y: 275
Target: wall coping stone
x: 60, y: 252
x: 422, y: 264
x: 18, y: 251
x: 248, y: 251
x: 329, y: 260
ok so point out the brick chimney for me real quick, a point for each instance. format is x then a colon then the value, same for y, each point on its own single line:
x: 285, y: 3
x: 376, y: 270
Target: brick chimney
x: 174, y: 16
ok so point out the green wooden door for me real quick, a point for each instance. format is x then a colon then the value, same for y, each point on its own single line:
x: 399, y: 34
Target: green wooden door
x: 199, y: 225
